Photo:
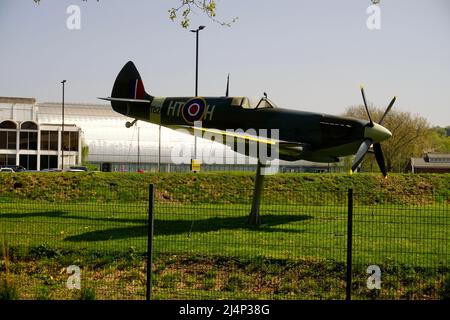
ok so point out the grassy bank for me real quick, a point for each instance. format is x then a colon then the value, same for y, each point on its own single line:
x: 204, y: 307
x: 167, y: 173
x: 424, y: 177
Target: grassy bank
x: 220, y: 187
x: 42, y: 275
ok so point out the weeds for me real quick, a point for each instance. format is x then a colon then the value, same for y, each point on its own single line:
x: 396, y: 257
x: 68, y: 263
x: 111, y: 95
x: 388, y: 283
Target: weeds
x: 8, y: 290
x: 87, y: 294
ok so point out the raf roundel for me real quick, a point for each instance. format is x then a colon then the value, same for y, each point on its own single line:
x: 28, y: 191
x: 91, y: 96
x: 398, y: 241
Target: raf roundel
x: 194, y: 110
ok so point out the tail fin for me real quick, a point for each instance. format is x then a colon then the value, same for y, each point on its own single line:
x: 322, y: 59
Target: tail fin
x: 129, y: 85
x: 128, y: 95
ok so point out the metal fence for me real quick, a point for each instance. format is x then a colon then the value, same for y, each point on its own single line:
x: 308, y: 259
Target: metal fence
x: 310, y: 245
x: 60, y: 247
x: 203, y: 247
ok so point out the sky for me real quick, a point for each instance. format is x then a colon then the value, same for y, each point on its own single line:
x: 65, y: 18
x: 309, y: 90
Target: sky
x: 307, y: 55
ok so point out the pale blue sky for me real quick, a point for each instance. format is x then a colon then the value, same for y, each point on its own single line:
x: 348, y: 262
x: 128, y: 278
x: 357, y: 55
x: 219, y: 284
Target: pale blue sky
x: 308, y: 55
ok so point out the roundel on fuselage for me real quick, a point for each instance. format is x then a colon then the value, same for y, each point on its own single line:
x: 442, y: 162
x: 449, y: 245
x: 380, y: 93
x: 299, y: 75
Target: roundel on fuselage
x: 194, y: 110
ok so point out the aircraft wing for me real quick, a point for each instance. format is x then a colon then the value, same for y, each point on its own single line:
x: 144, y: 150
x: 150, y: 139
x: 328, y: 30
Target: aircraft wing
x: 287, y: 149
x: 242, y: 136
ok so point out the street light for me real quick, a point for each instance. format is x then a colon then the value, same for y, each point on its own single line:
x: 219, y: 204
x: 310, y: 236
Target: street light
x: 62, y: 130
x: 196, y: 76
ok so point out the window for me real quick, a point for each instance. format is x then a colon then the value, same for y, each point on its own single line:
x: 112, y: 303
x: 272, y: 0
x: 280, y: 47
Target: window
x: 49, y: 140
x: 28, y: 140
x: 8, y: 125
x: 28, y: 161
x: 28, y: 125
x: 28, y: 136
x: 265, y: 103
x: 73, y: 141
x: 53, y: 140
x: 7, y: 159
x: 70, y: 141
x: 247, y: 103
x: 49, y: 162
x: 8, y: 131
x: 8, y: 140
x: 45, y: 140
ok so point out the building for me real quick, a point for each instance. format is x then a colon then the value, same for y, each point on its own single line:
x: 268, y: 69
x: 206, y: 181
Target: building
x: 110, y: 145
x: 430, y: 163
x: 27, y: 141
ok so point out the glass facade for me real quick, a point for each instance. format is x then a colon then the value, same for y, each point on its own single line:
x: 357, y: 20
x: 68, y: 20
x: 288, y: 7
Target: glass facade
x: 7, y: 159
x: 29, y: 136
x: 8, y: 140
x: 70, y: 141
x: 28, y: 140
x: 28, y: 161
x: 8, y: 135
x: 49, y: 162
x: 8, y: 125
x: 28, y: 125
x: 49, y: 140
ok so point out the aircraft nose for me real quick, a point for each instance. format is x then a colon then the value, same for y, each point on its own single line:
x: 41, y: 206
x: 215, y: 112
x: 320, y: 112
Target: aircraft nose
x: 377, y: 133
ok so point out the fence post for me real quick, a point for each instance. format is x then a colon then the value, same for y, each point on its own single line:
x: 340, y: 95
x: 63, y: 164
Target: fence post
x: 151, y: 198
x: 348, y: 291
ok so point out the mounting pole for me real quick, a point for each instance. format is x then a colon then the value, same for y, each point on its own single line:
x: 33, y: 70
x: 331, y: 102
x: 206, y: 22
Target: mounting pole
x: 254, y: 218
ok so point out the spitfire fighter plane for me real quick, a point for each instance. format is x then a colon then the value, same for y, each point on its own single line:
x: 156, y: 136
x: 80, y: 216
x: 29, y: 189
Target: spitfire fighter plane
x: 310, y: 136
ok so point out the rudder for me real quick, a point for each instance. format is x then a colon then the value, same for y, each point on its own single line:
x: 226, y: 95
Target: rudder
x: 129, y: 85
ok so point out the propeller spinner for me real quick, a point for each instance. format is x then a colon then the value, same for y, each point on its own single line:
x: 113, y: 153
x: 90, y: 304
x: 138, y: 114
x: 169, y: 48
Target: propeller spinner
x: 374, y: 133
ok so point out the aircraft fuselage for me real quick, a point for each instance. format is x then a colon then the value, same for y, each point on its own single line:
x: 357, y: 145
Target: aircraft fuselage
x: 327, y: 137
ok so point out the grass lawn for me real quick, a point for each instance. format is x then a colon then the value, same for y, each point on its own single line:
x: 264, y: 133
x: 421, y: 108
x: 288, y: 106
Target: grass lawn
x: 208, y: 250
x: 413, y: 235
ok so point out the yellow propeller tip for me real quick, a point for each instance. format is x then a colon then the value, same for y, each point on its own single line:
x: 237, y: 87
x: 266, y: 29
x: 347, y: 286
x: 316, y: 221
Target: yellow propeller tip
x: 385, y: 177
x: 350, y: 172
x: 361, y: 86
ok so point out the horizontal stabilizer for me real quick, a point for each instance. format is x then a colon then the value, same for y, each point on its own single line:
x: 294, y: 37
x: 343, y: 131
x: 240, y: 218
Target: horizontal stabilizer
x: 125, y: 100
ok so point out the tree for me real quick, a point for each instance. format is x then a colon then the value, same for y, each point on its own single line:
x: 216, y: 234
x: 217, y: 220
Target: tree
x: 84, y: 153
x: 207, y: 7
x: 410, y: 136
x: 439, y: 141
x: 187, y: 7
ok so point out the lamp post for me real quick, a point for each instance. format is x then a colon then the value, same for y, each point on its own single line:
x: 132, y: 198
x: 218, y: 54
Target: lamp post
x: 62, y: 129
x: 196, y: 76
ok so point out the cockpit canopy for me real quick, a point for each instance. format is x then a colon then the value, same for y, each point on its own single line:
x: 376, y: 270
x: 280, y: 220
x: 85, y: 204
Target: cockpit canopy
x: 247, y: 103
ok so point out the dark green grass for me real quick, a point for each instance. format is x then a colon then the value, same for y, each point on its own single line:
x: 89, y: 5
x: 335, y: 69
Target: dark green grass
x: 413, y: 235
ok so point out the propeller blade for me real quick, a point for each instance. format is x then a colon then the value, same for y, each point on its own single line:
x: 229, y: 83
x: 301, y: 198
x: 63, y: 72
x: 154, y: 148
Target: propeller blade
x: 387, y: 110
x: 228, y: 86
x: 365, y: 105
x: 363, y: 148
x: 380, y: 158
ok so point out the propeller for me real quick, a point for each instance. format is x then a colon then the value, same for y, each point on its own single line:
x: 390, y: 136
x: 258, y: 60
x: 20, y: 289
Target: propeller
x: 380, y: 158
x: 363, y: 148
x: 365, y: 105
x: 373, y: 134
x: 228, y: 86
x: 387, y: 110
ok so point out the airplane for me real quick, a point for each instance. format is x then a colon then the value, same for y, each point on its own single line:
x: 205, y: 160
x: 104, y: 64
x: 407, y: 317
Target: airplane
x: 315, y: 137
